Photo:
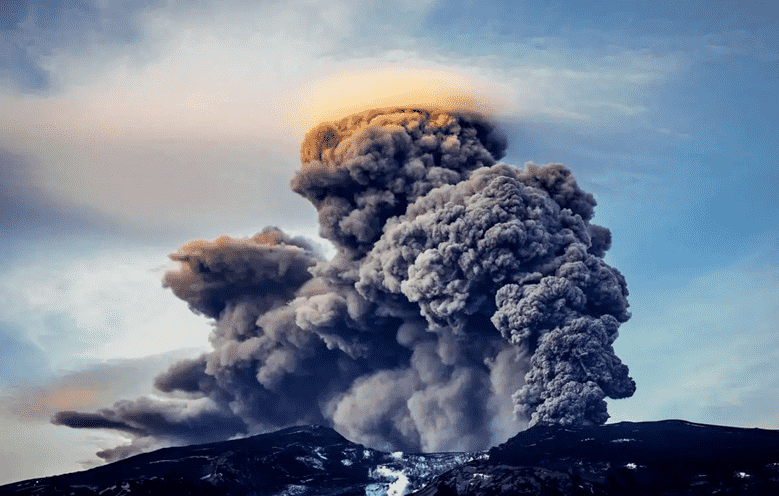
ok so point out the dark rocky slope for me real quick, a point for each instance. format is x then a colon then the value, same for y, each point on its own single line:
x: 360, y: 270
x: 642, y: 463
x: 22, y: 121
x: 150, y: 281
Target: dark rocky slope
x: 306, y: 460
x: 644, y: 458
x: 670, y: 457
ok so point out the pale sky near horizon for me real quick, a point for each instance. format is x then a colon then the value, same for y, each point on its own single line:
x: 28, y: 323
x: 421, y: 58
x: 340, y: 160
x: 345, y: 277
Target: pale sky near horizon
x: 126, y: 131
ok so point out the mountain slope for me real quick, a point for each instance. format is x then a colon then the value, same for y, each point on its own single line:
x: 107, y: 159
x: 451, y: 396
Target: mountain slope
x: 670, y: 457
x: 667, y: 457
x: 305, y: 460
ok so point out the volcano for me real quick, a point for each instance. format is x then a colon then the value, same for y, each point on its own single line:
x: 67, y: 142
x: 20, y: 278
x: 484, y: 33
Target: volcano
x: 669, y: 457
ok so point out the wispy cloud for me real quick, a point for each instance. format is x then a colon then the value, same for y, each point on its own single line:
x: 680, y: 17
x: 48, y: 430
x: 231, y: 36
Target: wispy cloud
x: 41, y: 448
x: 34, y: 31
x: 79, y: 310
x: 741, y: 42
x: 618, y: 107
x: 172, y: 122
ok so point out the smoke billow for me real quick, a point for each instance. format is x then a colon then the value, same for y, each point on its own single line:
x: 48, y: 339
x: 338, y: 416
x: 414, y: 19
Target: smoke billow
x: 467, y: 299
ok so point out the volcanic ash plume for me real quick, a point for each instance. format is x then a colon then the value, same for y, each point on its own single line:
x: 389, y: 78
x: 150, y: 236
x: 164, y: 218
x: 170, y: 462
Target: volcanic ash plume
x: 467, y: 299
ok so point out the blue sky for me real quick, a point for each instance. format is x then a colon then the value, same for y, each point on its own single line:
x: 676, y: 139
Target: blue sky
x: 129, y: 128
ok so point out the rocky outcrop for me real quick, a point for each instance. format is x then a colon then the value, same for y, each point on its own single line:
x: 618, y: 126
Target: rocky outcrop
x: 670, y: 457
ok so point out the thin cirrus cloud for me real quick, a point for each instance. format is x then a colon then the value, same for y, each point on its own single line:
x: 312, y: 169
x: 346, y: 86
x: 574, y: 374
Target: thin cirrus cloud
x: 29, y: 208
x: 36, y: 30
x: 183, y: 135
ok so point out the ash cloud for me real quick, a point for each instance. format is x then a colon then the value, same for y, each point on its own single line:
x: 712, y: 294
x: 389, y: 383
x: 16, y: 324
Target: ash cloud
x: 467, y: 300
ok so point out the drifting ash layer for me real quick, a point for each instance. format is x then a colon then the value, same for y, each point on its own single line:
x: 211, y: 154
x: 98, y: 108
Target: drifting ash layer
x: 466, y: 299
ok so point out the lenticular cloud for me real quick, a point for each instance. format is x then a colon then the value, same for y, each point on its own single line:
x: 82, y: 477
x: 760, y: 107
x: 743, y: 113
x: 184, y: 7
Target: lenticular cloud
x: 467, y: 299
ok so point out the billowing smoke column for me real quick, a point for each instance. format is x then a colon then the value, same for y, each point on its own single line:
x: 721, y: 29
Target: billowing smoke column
x: 467, y: 299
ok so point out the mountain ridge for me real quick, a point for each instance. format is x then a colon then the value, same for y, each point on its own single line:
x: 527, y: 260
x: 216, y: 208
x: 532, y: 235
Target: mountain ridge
x: 308, y: 459
x: 664, y: 457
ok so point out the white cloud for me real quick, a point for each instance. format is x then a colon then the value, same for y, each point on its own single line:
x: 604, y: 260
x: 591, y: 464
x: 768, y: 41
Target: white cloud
x: 104, y: 305
x: 197, y: 121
